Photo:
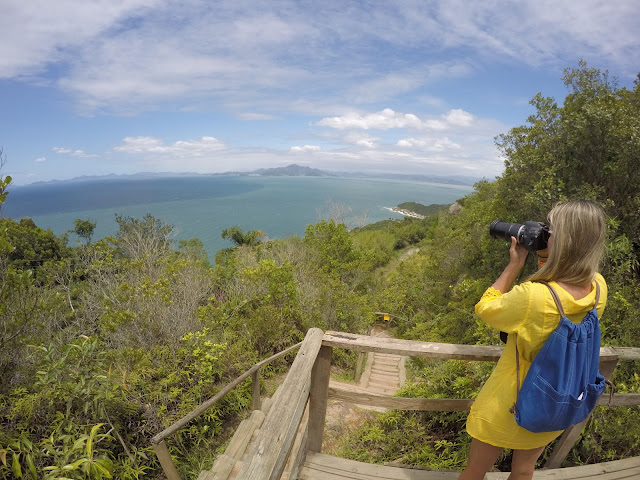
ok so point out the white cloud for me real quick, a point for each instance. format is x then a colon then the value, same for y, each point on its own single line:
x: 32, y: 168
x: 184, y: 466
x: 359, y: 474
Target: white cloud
x: 388, y: 119
x: 361, y: 140
x: 41, y: 159
x: 459, y: 118
x: 35, y: 34
x: 431, y: 145
x: 306, y: 148
x: 256, y: 116
x: 181, y: 148
x: 72, y: 153
x: 126, y: 55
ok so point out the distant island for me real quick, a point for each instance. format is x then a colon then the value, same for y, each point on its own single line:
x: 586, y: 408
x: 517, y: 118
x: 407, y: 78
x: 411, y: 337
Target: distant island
x: 292, y: 170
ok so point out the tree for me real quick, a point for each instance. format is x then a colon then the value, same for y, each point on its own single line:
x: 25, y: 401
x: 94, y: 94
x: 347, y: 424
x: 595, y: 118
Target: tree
x: 4, y: 181
x: 84, y: 229
x: 239, y: 237
x: 147, y: 238
x: 589, y: 147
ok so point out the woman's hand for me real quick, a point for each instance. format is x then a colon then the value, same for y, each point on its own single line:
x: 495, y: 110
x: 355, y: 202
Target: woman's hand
x: 517, y: 253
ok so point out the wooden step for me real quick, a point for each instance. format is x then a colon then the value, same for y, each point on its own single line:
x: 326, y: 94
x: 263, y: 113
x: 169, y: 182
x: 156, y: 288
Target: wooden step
x: 385, y: 375
x: 221, y: 468
x: 385, y: 363
x: 242, y: 437
x: 318, y: 466
x: 385, y: 370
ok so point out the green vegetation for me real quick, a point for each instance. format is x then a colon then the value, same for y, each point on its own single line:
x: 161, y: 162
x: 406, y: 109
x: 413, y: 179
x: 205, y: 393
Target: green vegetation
x: 105, y: 343
x: 422, y: 209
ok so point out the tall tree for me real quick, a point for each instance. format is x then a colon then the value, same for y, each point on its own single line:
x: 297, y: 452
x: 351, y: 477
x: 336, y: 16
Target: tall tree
x: 240, y: 237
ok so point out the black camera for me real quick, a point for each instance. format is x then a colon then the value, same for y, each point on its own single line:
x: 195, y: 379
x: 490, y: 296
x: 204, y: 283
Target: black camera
x: 533, y: 235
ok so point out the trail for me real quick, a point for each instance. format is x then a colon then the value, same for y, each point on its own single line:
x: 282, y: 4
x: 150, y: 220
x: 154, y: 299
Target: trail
x: 383, y: 374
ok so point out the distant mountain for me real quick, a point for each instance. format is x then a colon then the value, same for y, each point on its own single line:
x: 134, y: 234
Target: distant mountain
x: 292, y: 170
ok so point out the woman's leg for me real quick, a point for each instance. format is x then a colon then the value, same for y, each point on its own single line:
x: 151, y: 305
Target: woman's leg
x: 482, y: 457
x: 523, y: 463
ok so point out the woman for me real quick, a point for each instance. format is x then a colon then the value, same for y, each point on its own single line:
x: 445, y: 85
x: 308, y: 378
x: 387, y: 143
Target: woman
x: 575, y: 249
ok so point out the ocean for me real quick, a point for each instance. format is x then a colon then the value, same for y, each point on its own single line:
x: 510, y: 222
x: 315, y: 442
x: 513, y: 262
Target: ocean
x: 203, y: 206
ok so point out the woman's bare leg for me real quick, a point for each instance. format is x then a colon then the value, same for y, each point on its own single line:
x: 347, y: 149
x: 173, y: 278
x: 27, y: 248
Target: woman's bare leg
x: 482, y: 457
x: 523, y: 463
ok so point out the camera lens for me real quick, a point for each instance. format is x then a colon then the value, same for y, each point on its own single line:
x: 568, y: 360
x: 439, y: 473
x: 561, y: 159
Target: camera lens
x: 506, y: 230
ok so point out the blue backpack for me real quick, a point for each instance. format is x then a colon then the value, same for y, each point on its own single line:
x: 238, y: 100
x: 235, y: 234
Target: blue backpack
x: 563, y: 384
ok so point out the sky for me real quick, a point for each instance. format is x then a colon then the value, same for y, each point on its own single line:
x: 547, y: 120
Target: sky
x: 94, y: 87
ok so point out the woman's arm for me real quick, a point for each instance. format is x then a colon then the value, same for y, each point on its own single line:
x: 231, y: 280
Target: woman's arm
x: 517, y: 256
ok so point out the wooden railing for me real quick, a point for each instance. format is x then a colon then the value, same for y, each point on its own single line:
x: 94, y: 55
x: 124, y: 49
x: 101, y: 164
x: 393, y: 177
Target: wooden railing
x: 307, y: 387
x: 158, y: 441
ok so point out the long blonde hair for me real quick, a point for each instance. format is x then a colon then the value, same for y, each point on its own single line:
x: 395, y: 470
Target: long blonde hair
x: 578, y: 229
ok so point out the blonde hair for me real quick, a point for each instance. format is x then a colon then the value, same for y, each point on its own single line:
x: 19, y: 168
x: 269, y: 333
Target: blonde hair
x: 578, y: 229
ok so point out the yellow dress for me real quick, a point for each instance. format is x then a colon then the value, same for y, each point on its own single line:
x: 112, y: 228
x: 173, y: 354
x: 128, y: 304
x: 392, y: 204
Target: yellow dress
x: 528, y: 310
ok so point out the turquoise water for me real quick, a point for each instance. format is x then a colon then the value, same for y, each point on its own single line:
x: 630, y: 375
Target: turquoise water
x: 202, y: 207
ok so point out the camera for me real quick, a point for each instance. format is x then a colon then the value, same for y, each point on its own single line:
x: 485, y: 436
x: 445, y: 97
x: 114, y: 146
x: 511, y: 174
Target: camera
x: 533, y: 235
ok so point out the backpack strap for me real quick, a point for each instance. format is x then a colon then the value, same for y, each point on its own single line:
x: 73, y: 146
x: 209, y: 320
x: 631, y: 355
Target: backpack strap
x: 556, y: 299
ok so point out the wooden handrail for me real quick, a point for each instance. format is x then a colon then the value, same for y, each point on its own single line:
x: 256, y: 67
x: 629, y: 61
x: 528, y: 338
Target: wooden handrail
x: 159, y: 445
x: 270, y: 450
x: 447, y: 351
x: 609, y: 357
x: 170, y: 430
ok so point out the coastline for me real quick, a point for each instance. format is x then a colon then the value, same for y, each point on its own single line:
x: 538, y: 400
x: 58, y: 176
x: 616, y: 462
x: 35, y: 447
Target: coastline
x: 407, y: 213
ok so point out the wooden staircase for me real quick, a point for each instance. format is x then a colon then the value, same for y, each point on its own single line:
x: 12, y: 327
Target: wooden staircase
x: 228, y: 464
x: 385, y: 374
x: 282, y: 438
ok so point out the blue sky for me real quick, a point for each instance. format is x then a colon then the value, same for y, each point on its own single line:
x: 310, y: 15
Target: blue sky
x: 92, y: 87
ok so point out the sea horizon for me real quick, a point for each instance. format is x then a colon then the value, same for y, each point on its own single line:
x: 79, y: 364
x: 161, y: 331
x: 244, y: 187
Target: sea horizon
x: 202, y: 206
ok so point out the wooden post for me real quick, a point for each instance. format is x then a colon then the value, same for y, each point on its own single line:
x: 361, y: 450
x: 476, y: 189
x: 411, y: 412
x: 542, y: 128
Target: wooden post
x: 571, y: 434
x: 318, y: 397
x: 361, y: 356
x: 255, y: 390
x: 162, y: 452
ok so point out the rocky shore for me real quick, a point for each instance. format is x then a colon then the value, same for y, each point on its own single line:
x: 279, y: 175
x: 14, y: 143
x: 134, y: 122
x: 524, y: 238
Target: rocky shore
x: 407, y: 213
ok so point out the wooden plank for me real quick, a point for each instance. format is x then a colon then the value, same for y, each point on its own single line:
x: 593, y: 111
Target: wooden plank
x: 290, y: 437
x: 570, y: 436
x: 360, y: 397
x: 242, y: 437
x: 410, y: 347
x: 620, y: 400
x: 627, y: 353
x: 164, y: 457
x: 299, y: 450
x: 222, y: 467
x: 275, y: 437
x: 318, y: 398
x: 319, y: 466
x: 326, y: 467
x: 414, y: 348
